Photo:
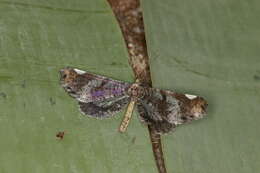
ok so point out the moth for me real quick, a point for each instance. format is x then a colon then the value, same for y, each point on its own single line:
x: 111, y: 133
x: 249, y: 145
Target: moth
x: 102, y: 97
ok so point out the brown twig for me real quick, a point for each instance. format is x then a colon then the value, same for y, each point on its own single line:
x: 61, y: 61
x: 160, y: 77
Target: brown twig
x: 130, y: 19
x: 157, y: 150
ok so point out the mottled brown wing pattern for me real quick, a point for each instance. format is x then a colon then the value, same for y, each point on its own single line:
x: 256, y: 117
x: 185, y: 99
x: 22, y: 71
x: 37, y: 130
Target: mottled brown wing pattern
x: 98, y: 96
x: 164, y: 110
x: 102, y: 97
x: 104, y: 109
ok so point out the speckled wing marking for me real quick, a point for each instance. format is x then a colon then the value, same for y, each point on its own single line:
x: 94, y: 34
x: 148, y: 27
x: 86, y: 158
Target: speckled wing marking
x: 159, y: 110
x: 104, y: 109
x: 101, y: 97
x: 98, y: 96
x: 164, y: 109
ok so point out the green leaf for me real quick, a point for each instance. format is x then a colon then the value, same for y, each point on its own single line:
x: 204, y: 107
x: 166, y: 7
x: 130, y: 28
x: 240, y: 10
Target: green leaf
x: 37, y: 39
x: 211, y: 49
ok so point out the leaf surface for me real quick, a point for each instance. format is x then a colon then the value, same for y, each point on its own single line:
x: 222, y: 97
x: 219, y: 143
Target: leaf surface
x: 211, y: 49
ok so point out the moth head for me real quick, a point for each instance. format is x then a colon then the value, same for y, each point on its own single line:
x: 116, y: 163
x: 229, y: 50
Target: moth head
x: 67, y: 80
x: 136, y: 91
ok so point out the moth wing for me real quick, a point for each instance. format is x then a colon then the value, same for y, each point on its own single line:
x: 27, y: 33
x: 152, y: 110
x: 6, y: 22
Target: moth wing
x: 88, y: 87
x: 160, y: 110
x: 105, y: 108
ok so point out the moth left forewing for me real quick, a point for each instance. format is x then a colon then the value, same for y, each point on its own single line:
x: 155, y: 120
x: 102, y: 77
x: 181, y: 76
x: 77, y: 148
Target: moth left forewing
x: 102, y: 88
x: 98, y: 96
x: 105, y: 108
x: 88, y: 87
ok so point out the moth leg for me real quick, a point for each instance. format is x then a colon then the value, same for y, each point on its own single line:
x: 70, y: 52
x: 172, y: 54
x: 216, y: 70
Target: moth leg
x: 128, y: 115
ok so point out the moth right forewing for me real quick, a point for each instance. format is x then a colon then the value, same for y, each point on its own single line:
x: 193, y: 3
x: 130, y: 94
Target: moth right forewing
x: 160, y: 125
x: 158, y: 109
x: 166, y: 109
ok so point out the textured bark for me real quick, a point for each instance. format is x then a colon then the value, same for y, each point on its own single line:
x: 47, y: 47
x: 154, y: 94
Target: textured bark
x: 130, y: 19
x: 157, y: 149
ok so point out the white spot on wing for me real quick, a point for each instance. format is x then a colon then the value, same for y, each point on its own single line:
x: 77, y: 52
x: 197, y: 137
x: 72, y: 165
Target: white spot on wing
x: 190, y: 96
x: 79, y: 71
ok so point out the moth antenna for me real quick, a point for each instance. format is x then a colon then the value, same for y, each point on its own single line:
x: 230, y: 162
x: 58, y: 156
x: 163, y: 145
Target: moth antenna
x: 128, y: 114
x: 127, y: 117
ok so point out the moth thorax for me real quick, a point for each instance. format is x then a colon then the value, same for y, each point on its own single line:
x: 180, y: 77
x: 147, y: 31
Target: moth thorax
x: 136, y: 91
